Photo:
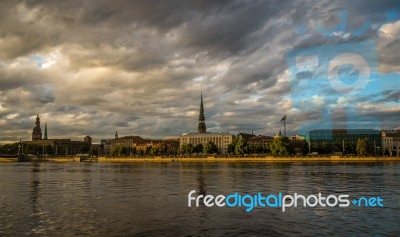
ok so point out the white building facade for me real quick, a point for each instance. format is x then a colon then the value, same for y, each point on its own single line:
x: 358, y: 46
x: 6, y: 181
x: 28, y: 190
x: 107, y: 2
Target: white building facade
x: 391, y: 141
x: 221, y: 140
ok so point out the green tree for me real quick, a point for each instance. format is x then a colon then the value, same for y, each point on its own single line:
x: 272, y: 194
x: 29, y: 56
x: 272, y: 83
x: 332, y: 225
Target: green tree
x: 163, y: 149
x: 188, y: 149
x: 240, y: 147
x: 124, y: 151
x: 348, y: 148
x: 361, y: 147
x: 134, y: 151
x: 321, y: 148
x: 141, y: 152
x: 259, y: 148
x: 232, y: 146
x: 251, y: 149
x: 9, y: 149
x: 114, y: 151
x: 198, y: 148
x: 280, y: 146
x: 210, y: 148
x: 148, y: 149
x: 182, y: 149
x: 304, y: 148
x: 155, y: 150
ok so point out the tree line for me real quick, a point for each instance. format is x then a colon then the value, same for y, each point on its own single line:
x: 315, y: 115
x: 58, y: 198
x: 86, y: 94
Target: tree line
x: 280, y: 146
x: 202, y: 148
x: 157, y: 150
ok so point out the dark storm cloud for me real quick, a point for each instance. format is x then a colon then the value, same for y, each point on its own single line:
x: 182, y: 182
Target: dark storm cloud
x: 94, y: 67
x: 389, y: 96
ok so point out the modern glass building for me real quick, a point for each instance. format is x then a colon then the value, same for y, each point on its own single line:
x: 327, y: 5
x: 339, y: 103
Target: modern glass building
x: 339, y: 140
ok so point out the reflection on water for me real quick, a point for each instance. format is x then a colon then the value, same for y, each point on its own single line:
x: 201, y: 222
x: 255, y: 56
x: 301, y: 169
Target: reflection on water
x: 151, y: 199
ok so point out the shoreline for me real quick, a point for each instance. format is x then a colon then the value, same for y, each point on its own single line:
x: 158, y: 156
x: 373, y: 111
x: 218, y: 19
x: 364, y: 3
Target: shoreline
x: 267, y: 159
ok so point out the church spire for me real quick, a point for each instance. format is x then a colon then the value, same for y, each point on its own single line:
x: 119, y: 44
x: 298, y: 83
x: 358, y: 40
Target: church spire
x: 202, y: 121
x: 37, y: 123
x: 37, y: 131
x: 45, y: 131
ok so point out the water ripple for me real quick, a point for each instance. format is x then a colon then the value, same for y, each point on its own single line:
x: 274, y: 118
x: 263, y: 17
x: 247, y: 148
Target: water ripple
x: 150, y: 199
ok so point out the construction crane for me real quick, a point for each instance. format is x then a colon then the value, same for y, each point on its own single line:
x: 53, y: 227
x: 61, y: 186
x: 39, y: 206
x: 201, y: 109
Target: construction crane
x: 284, y: 125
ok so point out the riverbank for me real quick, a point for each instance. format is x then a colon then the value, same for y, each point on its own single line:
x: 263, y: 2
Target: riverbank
x: 5, y: 160
x: 218, y: 159
x: 252, y: 159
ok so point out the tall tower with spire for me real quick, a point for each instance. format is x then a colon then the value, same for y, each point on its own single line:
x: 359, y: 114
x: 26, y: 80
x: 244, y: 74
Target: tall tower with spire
x: 201, y: 128
x: 45, y: 131
x: 37, y: 131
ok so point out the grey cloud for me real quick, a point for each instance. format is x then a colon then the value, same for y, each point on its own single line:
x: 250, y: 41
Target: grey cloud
x: 389, y: 95
x: 138, y: 66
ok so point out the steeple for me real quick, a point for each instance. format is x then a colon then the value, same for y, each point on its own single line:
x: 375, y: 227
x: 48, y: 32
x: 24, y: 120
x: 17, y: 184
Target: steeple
x: 201, y: 128
x: 45, y: 131
x: 116, y: 134
x: 37, y: 123
x: 37, y: 131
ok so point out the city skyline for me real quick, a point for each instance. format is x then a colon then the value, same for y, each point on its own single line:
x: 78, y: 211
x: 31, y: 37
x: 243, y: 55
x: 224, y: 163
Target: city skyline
x: 93, y: 69
x: 38, y: 135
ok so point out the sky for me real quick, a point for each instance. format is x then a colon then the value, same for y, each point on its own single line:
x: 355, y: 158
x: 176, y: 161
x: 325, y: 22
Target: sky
x: 138, y: 67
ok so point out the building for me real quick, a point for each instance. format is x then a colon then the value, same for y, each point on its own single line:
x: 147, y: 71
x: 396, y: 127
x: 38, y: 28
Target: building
x: 158, y: 147
x: 37, y: 131
x: 338, y: 140
x: 296, y: 138
x: 298, y: 144
x: 145, y: 146
x: 221, y: 140
x: 245, y: 136
x: 387, y: 142
x: 391, y: 142
x: 259, y: 144
x: 88, y: 140
x: 105, y: 147
x: 46, y: 146
x: 126, y: 145
x: 126, y: 141
x: 172, y: 146
x: 55, y: 147
x: 136, y: 145
x: 96, y: 149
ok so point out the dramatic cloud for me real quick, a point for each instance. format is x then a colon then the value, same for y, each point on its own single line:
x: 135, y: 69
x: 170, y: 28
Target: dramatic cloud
x: 138, y: 67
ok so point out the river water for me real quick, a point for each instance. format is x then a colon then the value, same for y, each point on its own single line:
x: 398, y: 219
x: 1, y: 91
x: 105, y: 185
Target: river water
x: 151, y: 199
